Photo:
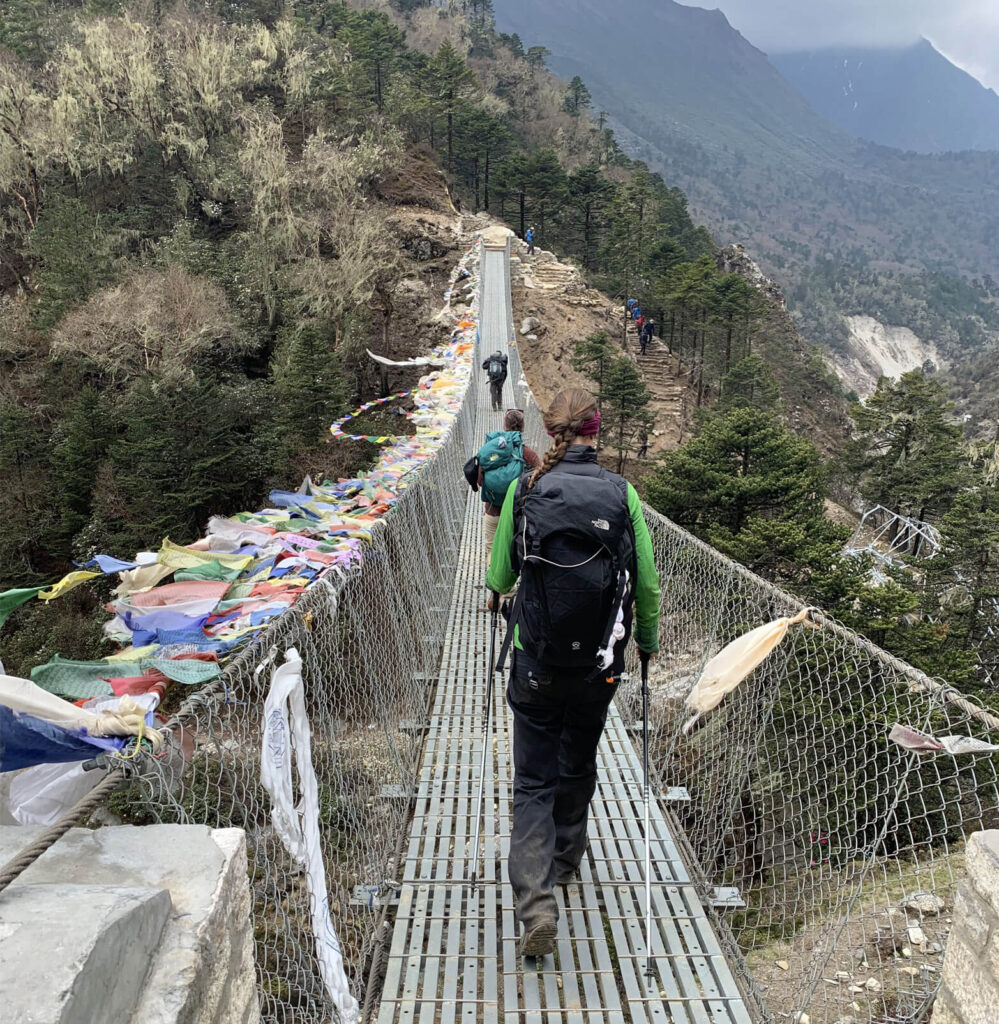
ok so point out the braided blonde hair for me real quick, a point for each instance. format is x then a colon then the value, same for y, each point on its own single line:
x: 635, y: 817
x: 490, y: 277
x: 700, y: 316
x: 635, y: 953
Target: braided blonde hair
x: 569, y: 410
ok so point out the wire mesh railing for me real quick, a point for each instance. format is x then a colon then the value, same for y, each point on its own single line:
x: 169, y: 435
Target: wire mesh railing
x: 370, y: 640
x: 829, y: 851
x: 834, y: 844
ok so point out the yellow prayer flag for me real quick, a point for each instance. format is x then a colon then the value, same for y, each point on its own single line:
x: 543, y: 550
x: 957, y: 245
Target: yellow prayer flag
x: 67, y: 583
x: 179, y: 557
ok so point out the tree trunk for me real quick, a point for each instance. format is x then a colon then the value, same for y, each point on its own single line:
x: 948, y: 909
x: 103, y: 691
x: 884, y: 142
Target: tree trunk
x: 450, y: 134
x: 522, y: 202
x: 485, y: 184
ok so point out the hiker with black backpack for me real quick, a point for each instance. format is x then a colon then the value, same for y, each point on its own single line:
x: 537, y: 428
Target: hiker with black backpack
x: 575, y: 535
x: 495, y: 367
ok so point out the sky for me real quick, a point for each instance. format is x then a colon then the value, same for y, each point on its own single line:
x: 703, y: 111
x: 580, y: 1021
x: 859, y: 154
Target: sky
x: 965, y: 31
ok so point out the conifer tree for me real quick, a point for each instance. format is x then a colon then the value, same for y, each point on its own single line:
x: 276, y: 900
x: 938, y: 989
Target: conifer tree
x: 624, y: 406
x: 590, y: 194
x: 906, y: 453
x: 577, y: 97
x: 451, y: 84
x: 594, y: 355
x: 377, y: 45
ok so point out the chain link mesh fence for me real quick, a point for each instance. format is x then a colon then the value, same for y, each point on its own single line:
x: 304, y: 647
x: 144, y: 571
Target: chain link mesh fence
x: 370, y: 641
x: 830, y: 852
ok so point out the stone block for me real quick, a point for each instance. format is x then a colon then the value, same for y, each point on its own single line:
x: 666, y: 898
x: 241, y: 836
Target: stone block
x: 971, y: 917
x: 982, y: 865
x: 942, y: 1011
x: 87, y: 948
x: 204, y: 970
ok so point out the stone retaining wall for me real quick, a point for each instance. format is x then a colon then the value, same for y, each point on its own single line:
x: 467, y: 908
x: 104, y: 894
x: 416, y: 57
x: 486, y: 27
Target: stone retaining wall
x: 147, y: 924
x: 969, y: 993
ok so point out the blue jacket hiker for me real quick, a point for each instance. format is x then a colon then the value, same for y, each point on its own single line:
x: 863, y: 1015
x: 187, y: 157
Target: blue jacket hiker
x: 529, y: 238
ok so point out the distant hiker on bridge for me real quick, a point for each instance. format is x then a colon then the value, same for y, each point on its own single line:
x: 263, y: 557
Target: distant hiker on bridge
x: 575, y: 535
x: 645, y: 336
x: 495, y: 367
x: 501, y: 460
x: 529, y: 238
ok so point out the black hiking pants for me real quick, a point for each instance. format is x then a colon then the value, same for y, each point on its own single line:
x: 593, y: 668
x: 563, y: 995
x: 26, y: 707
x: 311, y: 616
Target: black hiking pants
x: 496, y: 394
x: 558, y: 719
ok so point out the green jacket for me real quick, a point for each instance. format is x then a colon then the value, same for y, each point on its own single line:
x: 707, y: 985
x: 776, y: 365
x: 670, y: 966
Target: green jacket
x: 500, y: 578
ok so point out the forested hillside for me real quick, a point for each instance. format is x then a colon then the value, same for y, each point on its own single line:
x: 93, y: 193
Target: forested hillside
x: 836, y: 221
x: 204, y: 226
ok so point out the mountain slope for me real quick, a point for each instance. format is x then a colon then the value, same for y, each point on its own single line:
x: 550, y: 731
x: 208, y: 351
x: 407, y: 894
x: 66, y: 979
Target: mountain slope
x: 690, y: 95
x: 911, y: 98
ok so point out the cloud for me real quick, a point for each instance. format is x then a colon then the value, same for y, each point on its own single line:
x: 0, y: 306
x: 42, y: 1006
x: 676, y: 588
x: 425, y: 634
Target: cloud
x: 966, y: 31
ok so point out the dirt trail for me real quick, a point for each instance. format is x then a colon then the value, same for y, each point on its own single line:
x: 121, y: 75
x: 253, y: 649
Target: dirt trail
x: 556, y: 295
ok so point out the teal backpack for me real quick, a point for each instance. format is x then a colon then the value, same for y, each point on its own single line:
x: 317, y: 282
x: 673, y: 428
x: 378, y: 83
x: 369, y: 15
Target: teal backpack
x: 502, y: 461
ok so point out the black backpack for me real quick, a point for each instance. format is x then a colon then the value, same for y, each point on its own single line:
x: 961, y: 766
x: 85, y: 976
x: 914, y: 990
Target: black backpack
x: 496, y: 370
x: 574, y: 546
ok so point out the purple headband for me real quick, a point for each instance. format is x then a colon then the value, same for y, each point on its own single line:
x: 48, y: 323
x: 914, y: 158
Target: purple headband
x: 589, y: 427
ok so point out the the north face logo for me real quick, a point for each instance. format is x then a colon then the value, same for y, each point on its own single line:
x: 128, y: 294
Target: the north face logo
x: 600, y: 524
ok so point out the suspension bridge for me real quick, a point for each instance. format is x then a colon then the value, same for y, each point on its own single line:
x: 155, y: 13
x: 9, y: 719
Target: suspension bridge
x: 453, y: 954
x: 803, y: 837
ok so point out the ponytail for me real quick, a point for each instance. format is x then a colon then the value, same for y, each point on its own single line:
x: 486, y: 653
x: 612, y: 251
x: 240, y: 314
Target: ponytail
x: 564, y: 420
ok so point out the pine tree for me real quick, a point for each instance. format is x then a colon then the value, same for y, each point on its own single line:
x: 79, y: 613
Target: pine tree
x: 577, y: 97
x: 79, y: 445
x: 594, y: 355
x: 451, y: 84
x: 624, y: 406
x: 590, y: 194
x: 906, y: 453
x: 482, y: 140
x: 308, y: 385
x: 750, y: 384
x: 376, y: 45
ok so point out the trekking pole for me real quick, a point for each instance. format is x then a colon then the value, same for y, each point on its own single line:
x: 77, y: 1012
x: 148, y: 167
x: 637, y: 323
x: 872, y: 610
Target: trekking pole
x: 485, y: 740
x: 645, y: 799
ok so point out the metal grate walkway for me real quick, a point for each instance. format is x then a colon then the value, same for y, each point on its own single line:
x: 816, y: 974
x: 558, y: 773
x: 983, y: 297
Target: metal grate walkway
x: 453, y: 956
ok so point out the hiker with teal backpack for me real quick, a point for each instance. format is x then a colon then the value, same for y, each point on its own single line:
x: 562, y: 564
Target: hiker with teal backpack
x: 501, y: 460
x: 575, y: 535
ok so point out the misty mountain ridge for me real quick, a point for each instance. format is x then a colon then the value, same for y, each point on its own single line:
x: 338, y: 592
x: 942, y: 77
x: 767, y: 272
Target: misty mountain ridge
x: 909, y: 98
x: 847, y: 227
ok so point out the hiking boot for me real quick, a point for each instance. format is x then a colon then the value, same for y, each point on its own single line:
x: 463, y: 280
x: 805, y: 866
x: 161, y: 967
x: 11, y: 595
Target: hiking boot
x: 566, y: 876
x: 539, y: 940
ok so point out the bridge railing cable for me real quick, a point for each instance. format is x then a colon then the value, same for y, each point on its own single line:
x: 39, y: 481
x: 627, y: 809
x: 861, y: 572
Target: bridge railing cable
x: 828, y: 851
x: 827, y: 846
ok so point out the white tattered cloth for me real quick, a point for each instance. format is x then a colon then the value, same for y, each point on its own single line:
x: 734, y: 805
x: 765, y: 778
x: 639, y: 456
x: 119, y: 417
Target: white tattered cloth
x: 286, y: 730
x: 730, y: 666
x: 117, y: 716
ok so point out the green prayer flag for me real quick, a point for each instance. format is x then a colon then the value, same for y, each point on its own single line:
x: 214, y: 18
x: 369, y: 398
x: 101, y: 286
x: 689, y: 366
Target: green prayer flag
x: 11, y: 599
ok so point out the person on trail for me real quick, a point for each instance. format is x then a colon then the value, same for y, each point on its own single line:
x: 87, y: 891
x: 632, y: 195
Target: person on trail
x: 631, y: 304
x: 639, y: 324
x: 575, y: 535
x: 643, y: 441
x: 495, y: 367
x: 645, y: 336
x: 529, y: 238
x: 502, y: 459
